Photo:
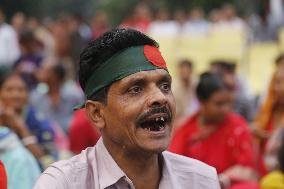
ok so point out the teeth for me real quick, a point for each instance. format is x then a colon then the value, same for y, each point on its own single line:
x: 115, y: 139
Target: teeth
x: 160, y: 119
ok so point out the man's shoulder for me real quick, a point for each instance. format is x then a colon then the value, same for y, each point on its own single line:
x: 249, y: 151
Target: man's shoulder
x: 181, y: 165
x: 68, y: 173
x: 76, y: 163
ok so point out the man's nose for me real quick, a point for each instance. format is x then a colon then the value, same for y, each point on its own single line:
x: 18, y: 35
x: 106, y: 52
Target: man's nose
x: 156, y: 97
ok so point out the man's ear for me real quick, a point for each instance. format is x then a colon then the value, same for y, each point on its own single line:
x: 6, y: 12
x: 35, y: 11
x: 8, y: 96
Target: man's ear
x: 94, y: 110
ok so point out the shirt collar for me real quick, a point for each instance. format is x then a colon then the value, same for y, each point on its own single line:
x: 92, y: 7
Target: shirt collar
x: 167, y: 175
x: 110, y: 173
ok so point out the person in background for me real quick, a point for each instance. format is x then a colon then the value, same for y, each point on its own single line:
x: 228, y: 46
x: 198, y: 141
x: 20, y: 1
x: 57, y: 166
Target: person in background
x: 196, y: 25
x: 275, y: 179
x: 230, y: 20
x: 270, y: 115
x: 18, y: 22
x: 99, y: 24
x: 21, y: 166
x: 9, y: 45
x: 3, y: 176
x: 217, y: 136
x: 271, y: 150
x: 30, y: 60
x: 84, y: 29
x: 82, y: 133
x: 180, y: 19
x: 279, y: 61
x: 43, y: 35
x: 163, y: 25
x: 140, y: 18
x: 57, y: 96
x: 214, y: 17
x: 14, y: 97
x: 184, y: 92
x: 61, y: 36
x: 242, y: 103
x: 77, y: 42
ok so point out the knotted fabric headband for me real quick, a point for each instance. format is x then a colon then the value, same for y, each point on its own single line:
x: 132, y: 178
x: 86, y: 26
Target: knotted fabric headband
x: 124, y: 63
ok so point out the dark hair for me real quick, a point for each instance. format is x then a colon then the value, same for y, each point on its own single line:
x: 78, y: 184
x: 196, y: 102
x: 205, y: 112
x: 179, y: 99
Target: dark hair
x: 279, y: 59
x: 209, y: 83
x: 281, y: 155
x: 224, y: 66
x: 185, y: 62
x: 26, y: 36
x: 59, y: 71
x: 104, y: 47
x: 6, y: 72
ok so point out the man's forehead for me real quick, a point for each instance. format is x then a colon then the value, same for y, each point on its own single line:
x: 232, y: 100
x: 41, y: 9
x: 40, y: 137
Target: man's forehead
x: 150, y: 75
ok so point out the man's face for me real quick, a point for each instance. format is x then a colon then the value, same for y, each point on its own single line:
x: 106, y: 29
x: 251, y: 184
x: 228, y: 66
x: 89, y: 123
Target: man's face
x: 139, y: 112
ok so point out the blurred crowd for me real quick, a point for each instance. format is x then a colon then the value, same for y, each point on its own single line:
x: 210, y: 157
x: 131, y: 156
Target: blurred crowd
x: 39, y: 89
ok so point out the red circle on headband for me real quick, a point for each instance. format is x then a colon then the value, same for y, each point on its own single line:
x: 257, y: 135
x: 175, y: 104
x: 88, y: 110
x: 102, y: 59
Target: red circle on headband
x: 154, y: 56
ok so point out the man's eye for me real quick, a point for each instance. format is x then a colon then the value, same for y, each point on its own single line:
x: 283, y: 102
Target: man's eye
x: 165, y: 87
x: 135, y: 89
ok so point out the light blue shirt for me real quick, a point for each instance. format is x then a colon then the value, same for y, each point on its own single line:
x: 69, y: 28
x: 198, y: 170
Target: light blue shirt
x: 21, y: 167
x: 70, y: 96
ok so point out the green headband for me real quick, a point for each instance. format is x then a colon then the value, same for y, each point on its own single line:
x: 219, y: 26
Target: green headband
x: 122, y: 64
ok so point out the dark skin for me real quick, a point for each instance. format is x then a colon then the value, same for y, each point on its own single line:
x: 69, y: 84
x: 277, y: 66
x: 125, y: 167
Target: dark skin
x: 135, y: 149
x: 13, y: 98
x: 11, y: 119
x: 46, y: 74
x: 212, y: 114
x: 278, y: 105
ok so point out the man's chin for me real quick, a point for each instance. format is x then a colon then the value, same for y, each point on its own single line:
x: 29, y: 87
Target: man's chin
x: 156, y: 148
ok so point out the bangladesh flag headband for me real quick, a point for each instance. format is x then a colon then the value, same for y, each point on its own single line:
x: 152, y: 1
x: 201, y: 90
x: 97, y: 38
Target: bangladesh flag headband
x: 122, y: 64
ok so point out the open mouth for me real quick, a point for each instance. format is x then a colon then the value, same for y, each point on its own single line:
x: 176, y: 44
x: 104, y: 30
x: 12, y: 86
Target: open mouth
x: 154, y: 124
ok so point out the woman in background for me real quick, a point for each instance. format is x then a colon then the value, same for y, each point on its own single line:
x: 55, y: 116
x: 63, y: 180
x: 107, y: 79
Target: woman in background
x: 217, y: 136
x: 36, y: 132
x: 271, y: 115
x: 275, y: 179
x: 21, y: 166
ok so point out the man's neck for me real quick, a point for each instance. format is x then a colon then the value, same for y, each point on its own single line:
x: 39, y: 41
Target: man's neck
x: 144, y: 170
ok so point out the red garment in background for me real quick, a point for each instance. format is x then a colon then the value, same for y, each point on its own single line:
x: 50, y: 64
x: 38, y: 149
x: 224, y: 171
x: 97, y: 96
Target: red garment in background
x: 231, y: 144
x: 3, y: 177
x: 82, y: 133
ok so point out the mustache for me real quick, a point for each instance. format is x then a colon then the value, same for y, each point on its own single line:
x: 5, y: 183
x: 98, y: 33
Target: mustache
x: 156, y: 110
